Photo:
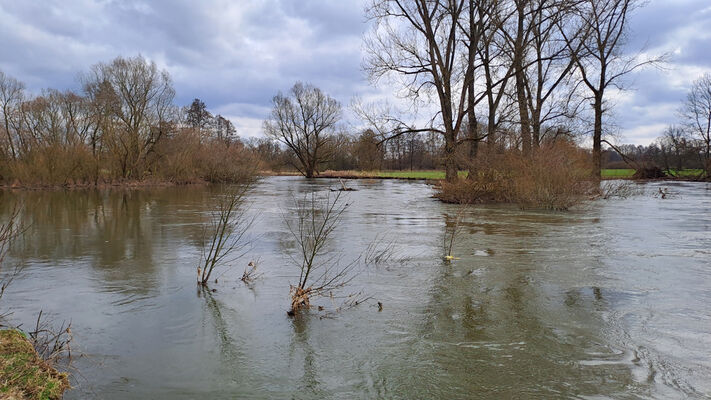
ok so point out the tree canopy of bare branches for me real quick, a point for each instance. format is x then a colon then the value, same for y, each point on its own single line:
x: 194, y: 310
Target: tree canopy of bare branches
x: 304, y: 120
x: 139, y: 102
x: 320, y: 270
x: 696, y: 112
x: 11, y: 96
x: 597, y: 48
x: 419, y: 42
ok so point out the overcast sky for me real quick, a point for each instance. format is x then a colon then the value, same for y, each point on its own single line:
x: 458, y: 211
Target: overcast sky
x: 235, y: 55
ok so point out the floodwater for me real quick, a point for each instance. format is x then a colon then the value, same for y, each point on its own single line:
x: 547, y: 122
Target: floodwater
x: 611, y: 300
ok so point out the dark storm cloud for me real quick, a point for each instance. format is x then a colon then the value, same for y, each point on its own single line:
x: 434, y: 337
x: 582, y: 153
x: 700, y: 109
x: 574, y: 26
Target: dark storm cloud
x: 237, y: 55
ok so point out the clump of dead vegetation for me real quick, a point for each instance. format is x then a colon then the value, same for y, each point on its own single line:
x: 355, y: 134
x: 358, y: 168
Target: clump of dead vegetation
x: 556, y: 176
x: 250, y: 273
x: 665, y: 193
x: 379, y: 251
x: 620, y: 189
x: 321, y: 271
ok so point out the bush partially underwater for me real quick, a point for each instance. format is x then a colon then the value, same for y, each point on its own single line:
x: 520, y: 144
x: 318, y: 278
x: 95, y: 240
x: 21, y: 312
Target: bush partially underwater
x: 555, y: 176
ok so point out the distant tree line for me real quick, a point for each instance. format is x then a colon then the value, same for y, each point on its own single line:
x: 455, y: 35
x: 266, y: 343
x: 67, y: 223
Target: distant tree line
x: 122, y: 125
x: 357, y: 152
x: 685, y: 145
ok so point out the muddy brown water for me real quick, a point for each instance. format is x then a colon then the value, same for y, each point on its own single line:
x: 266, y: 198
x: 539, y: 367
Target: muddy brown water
x: 611, y: 300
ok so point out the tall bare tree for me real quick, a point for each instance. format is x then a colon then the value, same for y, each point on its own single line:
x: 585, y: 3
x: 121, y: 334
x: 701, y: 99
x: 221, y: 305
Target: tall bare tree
x: 497, y: 72
x: 11, y: 96
x: 550, y: 66
x: 304, y: 120
x: 420, y: 43
x: 697, y: 115
x: 674, y: 142
x: 141, y: 108
x: 597, y: 49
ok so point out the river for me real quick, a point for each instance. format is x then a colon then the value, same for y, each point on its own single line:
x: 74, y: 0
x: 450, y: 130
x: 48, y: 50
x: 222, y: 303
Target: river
x: 609, y: 300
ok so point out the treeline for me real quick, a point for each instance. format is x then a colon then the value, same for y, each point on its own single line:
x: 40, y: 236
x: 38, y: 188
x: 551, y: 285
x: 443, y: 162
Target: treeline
x: 676, y: 150
x: 362, y: 151
x: 121, y: 126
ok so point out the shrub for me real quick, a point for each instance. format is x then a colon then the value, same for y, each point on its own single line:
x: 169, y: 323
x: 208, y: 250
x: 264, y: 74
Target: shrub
x: 556, y: 176
x: 54, y: 165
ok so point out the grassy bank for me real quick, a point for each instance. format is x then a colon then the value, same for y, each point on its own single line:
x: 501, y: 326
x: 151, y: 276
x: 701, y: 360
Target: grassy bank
x: 23, y: 374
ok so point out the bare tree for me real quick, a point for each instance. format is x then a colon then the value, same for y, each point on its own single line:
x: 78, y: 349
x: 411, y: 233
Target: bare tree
x: 321, y: 271
x: 225, y: 237
x: 140, y: 108
x: 550, y: 67
x: 420, y: 43
x: 304, y: 120
x: 225, y: 130
x: 11, y: 96
x: 497, y: 73
x: 697, y: 115
x: 597, y: 49
x: 674, y: 142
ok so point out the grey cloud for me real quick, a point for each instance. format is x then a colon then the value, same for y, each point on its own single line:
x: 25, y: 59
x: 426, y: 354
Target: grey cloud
x: 236, y: 55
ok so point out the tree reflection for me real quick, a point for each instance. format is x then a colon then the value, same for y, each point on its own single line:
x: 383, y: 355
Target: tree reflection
x: 514, y: 328
x: 308, y: 384
x: 113, y: 233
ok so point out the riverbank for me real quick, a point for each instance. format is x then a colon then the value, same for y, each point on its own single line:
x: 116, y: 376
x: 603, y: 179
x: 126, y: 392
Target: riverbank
x: 423, y: 175
x: 439, y: 175
x: 23, y: 373
x: 101, y: 185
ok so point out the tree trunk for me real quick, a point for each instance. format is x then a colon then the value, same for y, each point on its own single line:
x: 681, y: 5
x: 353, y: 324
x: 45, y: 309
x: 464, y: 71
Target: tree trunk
x: 450, y: 164
x: 523, y: 111
x: 471, y: 115
x: 9, y: 136
x: 536, y: 125
x: 597, y: 138
x: 519, y: 52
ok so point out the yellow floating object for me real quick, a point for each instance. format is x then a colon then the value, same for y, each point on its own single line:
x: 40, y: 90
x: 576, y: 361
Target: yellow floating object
x: 450, y: 258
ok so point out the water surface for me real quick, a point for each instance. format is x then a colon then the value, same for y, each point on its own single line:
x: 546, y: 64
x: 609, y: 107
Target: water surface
x: 610, y: 300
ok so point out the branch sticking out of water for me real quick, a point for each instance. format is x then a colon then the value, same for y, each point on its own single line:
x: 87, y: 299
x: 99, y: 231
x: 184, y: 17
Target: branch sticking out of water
x: 452, y: 228
x: 52, y: 344
x: 321, y: 271
x: 225, y: 237
x: 618, y: 189
x: 250, y: 273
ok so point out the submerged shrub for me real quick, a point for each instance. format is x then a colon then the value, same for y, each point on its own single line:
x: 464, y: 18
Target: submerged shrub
x: 556, y: 177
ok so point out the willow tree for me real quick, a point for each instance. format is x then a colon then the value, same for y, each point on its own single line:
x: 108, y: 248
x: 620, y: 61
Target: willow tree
x: 419, y: 43
x: 304, y: 120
